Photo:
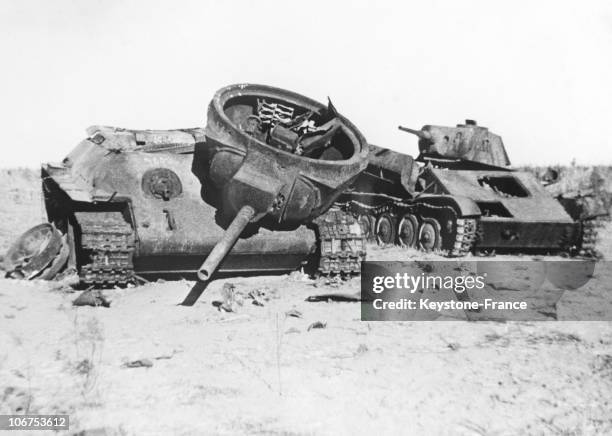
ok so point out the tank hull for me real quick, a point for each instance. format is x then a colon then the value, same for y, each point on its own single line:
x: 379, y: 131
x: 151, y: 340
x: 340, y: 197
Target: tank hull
x: 161, y: 200
x: 516, y: 212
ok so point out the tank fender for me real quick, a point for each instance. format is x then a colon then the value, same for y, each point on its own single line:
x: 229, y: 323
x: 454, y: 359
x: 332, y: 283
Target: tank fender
x: 464, y: 206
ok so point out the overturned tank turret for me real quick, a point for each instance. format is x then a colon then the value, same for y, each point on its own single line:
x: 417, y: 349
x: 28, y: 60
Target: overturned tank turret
x: 279, y: 159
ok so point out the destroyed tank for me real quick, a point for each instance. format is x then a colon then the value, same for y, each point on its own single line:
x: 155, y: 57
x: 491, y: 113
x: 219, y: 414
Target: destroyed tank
x: 588, y: 203
x: 128, y: 204
x: 461, y: 195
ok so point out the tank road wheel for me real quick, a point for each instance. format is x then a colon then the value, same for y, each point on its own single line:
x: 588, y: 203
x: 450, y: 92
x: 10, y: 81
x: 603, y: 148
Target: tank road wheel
x: 429, y: 238
x: 42, y: 249
x: 407, y: 230
x: 367, y: 226
x: 385, y: 229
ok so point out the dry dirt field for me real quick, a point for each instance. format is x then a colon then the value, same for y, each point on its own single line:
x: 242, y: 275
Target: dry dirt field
x: 259, y: 371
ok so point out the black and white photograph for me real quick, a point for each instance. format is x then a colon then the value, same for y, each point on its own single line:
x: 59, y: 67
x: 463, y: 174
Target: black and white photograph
x: 266, y: 217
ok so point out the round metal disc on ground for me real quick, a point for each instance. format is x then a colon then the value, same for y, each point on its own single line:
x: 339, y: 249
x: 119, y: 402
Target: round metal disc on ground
x: 33, y: 251
x: 407, y: 230
x: 385, y: 229
x: 58, y: 263
x: 429, y: 238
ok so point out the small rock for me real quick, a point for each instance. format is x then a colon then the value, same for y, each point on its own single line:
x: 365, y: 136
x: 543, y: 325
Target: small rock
x: 298, y: 276
x: 140, y: 363
x: 317, y: 325
x: 68, y: 278
x: 293, y: 313
x: 260, y: 294
x: 361, y: 349
x: 228, y: 294
x: 292, y: 330
x: 84, y: 366
x: 92, y: 297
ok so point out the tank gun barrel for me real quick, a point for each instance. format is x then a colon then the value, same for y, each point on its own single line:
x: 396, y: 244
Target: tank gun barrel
x: 233, y: 231
x: 422, y: 134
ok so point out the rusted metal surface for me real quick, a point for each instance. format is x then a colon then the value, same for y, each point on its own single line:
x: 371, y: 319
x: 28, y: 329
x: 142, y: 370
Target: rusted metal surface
x: 280, y: 156
x: 467, y: 194
x: 231, y: 235
x: 515, y: 209
x: 38, y: 251
x: 152, y: 186
x: 466, y: 142
x: 268, y: 162
x: 520, y: 194
x: 287, y: 188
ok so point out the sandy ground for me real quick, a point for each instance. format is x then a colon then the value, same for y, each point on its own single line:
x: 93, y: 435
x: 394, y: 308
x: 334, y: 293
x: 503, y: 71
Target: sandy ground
x: 259, y: 371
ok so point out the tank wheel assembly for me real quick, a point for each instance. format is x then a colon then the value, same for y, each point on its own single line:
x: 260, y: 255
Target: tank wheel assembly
x: 367, y: 226
x: 385, y: 229
x: 407, y: 230
x: 429, y: 237
x: 426, y: 227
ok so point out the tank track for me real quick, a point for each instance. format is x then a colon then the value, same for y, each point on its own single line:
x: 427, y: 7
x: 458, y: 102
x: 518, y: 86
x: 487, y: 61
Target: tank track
x: 466, y: 228
x: 465, y: 237
x: 107, y: 243
x: 590, y: 236
x: 342, y: 244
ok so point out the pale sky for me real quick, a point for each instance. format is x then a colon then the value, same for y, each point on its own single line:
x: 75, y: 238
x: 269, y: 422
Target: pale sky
x: 539, y: 73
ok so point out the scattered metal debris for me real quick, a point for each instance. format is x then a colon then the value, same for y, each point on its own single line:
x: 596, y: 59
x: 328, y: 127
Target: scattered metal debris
x: 453, y: 346
x: 167, y: 356
x: 260, y: 293
x: 293, y: 313
x: 38, y: 253
x: 84, y: 366
x: 259, y: 296
x: 91, y: 297
x: 317, y: 325
x: 335, y: 296
x: 140, y: 363
x: 330, y: 281
x: 361, y: 349
x: 230, y: 301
